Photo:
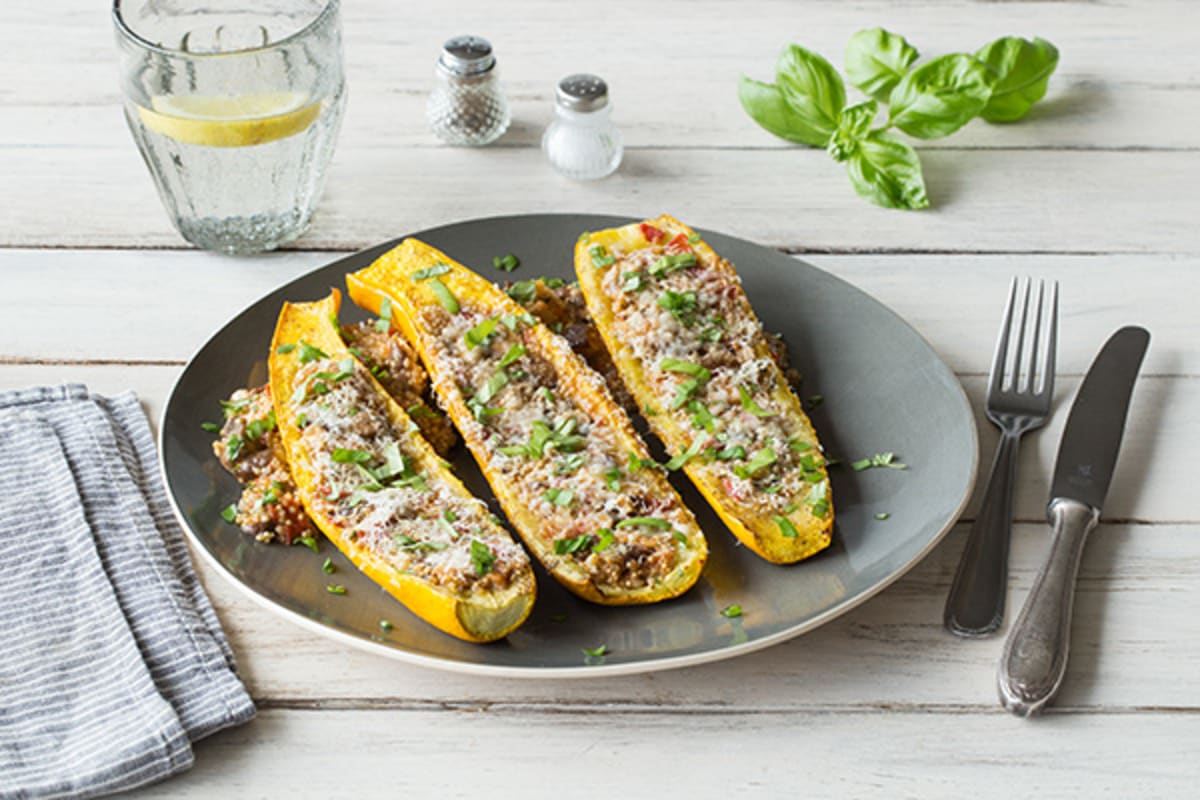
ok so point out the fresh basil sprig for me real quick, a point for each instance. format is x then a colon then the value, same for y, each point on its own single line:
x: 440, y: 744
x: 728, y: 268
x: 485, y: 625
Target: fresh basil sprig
x: 807, y: 103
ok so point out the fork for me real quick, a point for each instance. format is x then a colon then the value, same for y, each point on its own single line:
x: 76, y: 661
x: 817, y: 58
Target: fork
x: 1018, y: 401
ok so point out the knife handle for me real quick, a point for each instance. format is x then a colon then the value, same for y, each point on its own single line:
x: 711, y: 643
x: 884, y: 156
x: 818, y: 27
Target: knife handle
x: 975, y: 605
x: 1035, y: 655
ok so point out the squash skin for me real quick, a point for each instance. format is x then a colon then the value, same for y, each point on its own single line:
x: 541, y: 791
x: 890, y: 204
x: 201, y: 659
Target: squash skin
x: 760, y: 533
x: 472, y: 616
x: 389, y: 277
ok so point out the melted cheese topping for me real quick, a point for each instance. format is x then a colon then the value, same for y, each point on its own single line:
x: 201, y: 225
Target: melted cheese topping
x: 597, y: 506
x: 694, y: 334
x: 370, y: 487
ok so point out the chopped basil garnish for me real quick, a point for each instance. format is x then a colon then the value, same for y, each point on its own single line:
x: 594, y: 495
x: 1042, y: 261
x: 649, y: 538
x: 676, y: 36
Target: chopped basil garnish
x: 494, y: 384
x: 343, y: 455
x: 560, y: 497
x: 408, y: 543
x: 231, y: 407
x: 574, y: 544
x: 604, y: 540
x: 430, y: 272
x: 229, y: 512
x: 308, y: 542
x: 613, y: 479
x: 513, y: 353
x: 798, y: 445
x: 684, y: 392
x: 444, y: 296
x: 334, y: 588
x: 695, y: 237
x: 449, y: 515
x: 284, y: 349
x: 785, y: 527
x: 482, y: 557
x: 816, y: 499
x: 308, y: 353
x: 233, y: 447
x: 681, y: 305
x: 570, y: 464
x: 480, y: 333
x: 694, y: 450
x: 731, y: 611
x: 601, y: 257
x: 878, y: 460
x: 211, y: 427
x: 882, y: 515
x: 632, y: 281
x: 649, y: 522
x: 507, y: 263
x: 385, y: 316
x: 421, y: 410
x: 636, y: 462
x: 686, y: 367
x: 553, y: 283
x: 761, y: 459
x: 545, y: 394
x: 522, y: 291
x: 595, y: 652
x: 385, y: 626
x: 815, y: 400
x: 257, y: 427
x: 672, y: 263
x: 751, y: 406
x: 328, y: 567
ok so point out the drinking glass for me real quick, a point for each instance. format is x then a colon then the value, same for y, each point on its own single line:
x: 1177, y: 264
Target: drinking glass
x: 235, y: 106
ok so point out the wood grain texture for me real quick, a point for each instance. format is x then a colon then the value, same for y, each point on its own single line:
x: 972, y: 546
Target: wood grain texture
x: 453, y: 755
x: 953, y: 301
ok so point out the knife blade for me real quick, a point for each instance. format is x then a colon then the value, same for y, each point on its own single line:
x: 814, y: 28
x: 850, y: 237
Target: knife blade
x: 1091, y: 439
x: 1035, y: 656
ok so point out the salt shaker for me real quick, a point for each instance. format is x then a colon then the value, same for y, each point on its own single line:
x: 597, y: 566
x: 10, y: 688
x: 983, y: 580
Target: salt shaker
x: 582, y: 142
x: 467, y: 105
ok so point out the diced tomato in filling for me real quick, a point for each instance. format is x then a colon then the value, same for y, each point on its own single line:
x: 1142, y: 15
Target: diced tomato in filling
x: 679, y: 244
x: 651, y: 233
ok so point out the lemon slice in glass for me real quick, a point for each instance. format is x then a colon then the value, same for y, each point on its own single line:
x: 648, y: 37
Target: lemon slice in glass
x: 230, y: 121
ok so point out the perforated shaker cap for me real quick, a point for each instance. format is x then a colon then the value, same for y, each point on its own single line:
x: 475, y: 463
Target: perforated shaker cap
x: 467, y: 55
x: 582, y: 92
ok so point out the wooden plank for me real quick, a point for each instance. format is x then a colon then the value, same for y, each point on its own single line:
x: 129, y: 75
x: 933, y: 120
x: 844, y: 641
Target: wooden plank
x: 995, y: 201
x: 954, y: 301
x: 446, y: 754
x: 1134, y: 624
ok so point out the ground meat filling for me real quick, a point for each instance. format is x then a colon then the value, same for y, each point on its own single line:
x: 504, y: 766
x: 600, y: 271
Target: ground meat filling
x: 599, y: 504
x: 249, y: 447
x: 369, y: 484
x: 394, y: 364
x: 690, y: 326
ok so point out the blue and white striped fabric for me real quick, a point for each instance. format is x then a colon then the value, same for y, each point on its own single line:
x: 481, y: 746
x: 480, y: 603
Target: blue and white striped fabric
x: 113, y: 661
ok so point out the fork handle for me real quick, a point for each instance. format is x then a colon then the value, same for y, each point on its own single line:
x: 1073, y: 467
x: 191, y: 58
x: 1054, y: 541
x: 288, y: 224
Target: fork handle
x: 1035, y: 655
x: 975, y: 606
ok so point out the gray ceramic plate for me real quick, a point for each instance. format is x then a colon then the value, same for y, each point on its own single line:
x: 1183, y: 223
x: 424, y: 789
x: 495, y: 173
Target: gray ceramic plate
x: 884, y: 389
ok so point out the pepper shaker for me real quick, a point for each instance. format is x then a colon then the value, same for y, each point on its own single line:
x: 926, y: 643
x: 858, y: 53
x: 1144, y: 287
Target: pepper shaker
x: 582, y: 142
x: 467, y: 105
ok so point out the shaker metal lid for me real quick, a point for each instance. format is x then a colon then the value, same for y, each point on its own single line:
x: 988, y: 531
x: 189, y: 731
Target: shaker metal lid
x: 582, y: 92
x: 467, y: 55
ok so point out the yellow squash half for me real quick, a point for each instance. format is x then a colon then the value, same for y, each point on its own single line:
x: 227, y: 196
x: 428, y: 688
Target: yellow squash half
x: 477, y: 613
x: 583, y: 461
x: 691, y: 350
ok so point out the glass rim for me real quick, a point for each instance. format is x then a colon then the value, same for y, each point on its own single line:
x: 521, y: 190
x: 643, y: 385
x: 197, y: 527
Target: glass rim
x: 129, y: 34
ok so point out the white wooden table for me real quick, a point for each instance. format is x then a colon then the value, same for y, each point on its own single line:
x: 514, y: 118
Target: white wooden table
x: 1095, y: 189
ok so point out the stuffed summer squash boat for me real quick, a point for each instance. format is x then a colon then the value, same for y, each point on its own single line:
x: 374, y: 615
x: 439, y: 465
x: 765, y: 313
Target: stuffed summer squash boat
x: 562, y: 458
x: 379, y: 491
x: 694, y: 355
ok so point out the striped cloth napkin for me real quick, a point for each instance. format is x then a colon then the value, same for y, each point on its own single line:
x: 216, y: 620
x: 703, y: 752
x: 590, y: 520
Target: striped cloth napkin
x: 113, y: 660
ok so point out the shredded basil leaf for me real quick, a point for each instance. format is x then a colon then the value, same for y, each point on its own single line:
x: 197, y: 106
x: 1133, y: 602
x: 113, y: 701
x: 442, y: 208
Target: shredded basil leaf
x: 284, y: 349
x: 444, y: 296
x: 686, y: 367
x: 430, y: 272
x: 522, y: 291
x: 482, y: 557
x: 601, y: 257
x: 785, y: 527
x: 229, y: 512
x: 334, y: 588
x: 507, y: 263
x: 750, y: 405
x: 480, y: 333
x: 514, y: 352
x: 731, y: 611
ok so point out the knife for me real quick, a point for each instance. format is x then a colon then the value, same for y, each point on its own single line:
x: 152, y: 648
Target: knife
x: 1035, y: 655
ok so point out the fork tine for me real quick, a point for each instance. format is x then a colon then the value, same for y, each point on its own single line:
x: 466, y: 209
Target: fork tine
x: 1033, y: 383
x: 1051, y: 343
x: 1020, y: 378
x: 996, y: 377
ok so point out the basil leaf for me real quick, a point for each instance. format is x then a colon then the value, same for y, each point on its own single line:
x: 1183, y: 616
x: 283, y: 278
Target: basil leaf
x: 442, y: 292
x: 853, y: 124
x: 574, y: 544
x: 430, y: 272
x: 812, y: 89
x: 939, y: 97
x: 764, y: 103
x: 1023, y: 70
x: 522, y: 291
x: 885, y: 170
x: 876, y: 60
x: 482, y: 557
